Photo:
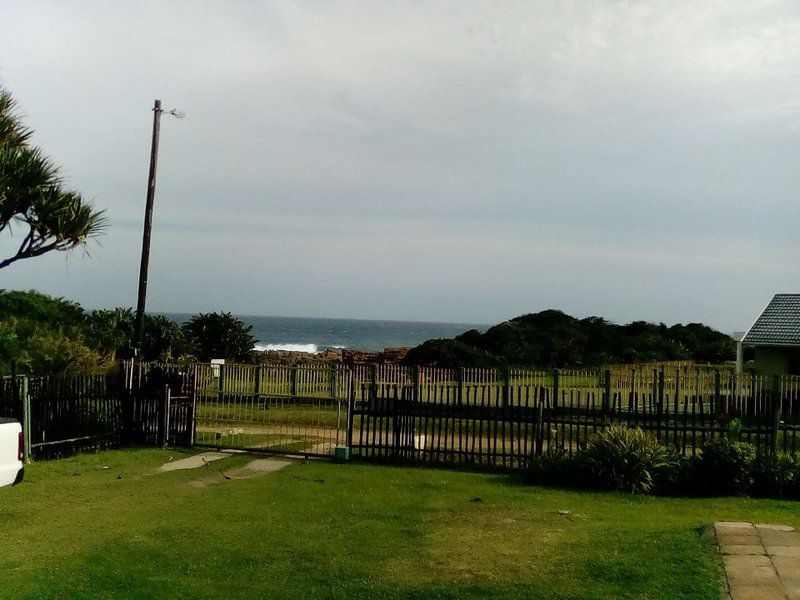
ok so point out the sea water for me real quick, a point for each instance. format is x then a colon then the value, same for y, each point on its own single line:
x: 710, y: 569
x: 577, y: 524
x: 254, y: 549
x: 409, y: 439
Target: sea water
x: 314, y: 335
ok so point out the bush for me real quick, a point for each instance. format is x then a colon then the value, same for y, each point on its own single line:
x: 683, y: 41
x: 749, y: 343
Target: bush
x: 219, y: 335
x: 725, y: 466
x: 554, y: 468
x: 625, y: 459
x: 774, y: 475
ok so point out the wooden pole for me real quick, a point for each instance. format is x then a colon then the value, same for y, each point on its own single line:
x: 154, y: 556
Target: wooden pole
x: 148, y: 226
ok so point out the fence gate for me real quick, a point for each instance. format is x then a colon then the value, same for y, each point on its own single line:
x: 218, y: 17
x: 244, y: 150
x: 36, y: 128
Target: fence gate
x: 279, y: 409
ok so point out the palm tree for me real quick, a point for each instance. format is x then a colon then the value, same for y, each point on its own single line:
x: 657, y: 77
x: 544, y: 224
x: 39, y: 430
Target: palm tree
x: 32, y: 196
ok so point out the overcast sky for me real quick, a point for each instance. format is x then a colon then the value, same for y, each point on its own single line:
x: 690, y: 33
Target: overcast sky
x: 455, y: 161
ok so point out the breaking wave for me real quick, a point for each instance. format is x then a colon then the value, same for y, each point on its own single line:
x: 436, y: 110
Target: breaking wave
x: 308, y: 348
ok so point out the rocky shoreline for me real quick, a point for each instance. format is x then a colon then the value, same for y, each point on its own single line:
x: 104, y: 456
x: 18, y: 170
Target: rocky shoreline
x: 343, y: 356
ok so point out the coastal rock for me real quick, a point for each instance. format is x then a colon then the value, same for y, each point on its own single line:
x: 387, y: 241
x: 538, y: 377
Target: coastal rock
x: 345, y: 356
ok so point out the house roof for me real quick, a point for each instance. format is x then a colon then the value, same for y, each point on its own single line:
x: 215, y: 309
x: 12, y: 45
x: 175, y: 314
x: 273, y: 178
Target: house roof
x: 778, y: 325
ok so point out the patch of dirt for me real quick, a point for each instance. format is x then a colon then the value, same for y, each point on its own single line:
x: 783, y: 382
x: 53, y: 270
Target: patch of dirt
x: 255, y: 468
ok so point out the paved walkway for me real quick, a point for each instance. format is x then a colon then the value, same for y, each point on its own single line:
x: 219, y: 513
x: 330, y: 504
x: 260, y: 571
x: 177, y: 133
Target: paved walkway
x: 762, y: 562
x: 193, y: 462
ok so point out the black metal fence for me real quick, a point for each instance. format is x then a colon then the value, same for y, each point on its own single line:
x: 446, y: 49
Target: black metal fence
x: 62, y: 415
x: 482, y: 417
x: 500, y: 418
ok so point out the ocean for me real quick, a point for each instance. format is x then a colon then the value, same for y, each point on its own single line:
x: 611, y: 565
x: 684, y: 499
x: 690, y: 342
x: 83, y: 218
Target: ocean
x: 314, y: 335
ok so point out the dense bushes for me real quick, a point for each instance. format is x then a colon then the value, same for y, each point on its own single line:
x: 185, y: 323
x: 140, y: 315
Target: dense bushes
x: 621, y: 458
x: 725, y: 466
x: 553, y: 339
x: 45, y: 335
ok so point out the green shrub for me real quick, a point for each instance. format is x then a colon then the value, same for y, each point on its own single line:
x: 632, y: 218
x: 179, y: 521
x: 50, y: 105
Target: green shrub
x: 774, y: 476
x: 677, y: 477
x: 624, y: 459
x: 725, y: 466
x: 554, y: 468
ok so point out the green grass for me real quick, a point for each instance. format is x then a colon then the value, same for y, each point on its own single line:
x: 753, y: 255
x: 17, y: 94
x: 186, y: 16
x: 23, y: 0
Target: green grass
x: 107, y: 526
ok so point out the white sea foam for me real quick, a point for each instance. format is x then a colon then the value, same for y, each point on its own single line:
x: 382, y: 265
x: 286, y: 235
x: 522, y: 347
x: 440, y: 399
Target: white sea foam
x: 308, y: 348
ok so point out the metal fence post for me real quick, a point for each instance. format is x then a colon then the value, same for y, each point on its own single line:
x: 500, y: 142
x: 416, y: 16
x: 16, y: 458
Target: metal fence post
x: 221, y: 383
x: 506, y: 386
x: 351, y: 405
x: 293, y: 382
x: 257, y: 384
x: 26, y: 418
x: 334, y: 383
x: 373, y: 387
x: 165, y: 401
x: 776, y: 413
x: 539, y: 431
x: 554, y: 404
x: 192, y: 423
x: 660, y: 405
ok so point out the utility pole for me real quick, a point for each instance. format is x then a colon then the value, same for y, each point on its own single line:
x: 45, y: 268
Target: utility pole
x: 148, y: 226
x: 148, y: 223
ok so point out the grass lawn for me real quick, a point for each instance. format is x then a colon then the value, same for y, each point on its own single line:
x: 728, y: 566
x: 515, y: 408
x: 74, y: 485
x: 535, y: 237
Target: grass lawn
x: 108, y: 526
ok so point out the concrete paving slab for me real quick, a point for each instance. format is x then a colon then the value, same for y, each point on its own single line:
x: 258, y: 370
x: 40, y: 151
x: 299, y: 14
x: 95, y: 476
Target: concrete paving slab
x: 255, y: 468
x: 771, y: 537
x: 768, y: 527
x: 757, y: 592
x: 743, y: 549
x: 193, y: 462
x: 765, y: 568
x: 792, y: 588
x: 788, y: 567
x: 783, y: 551
x: 726, y: 525
x: 727, y: 539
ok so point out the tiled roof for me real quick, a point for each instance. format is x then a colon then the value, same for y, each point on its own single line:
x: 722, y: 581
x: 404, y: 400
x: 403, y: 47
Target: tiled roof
x: 779, y: 324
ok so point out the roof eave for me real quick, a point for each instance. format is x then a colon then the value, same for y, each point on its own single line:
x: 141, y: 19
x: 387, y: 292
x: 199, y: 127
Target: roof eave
x: 781, y: 344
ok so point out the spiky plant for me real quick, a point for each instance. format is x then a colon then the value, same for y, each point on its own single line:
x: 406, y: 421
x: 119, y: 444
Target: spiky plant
x: 32, y: 196
x: 624, y: 458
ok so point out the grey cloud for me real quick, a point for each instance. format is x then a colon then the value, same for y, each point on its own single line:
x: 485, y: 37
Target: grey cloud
x: 438, y: 160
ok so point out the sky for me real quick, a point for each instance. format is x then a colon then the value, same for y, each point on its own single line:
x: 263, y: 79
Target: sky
x: 443, y: 161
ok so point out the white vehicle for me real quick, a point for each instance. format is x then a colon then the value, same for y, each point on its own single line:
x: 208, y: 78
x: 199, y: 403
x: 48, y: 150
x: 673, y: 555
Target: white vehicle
x: 12, y: 452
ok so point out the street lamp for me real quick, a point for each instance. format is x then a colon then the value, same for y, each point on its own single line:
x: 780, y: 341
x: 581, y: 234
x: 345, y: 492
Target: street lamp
x: 148, y: 221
